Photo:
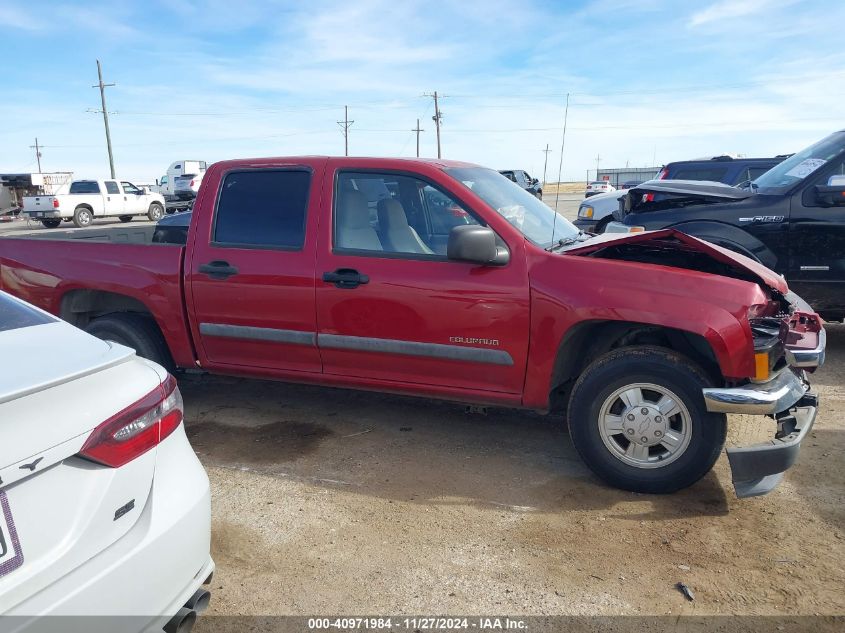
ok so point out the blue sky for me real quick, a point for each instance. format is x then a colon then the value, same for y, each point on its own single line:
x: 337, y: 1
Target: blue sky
x: 650, y: 80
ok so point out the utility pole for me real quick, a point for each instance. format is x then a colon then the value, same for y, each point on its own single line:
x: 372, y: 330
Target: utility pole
x: 102, y: 88
x: 37, y: 149
x: 438, y: 115
x: 345, y: 125
x: 598, y: 158
x: 418, y: 129
x: 545, y: 162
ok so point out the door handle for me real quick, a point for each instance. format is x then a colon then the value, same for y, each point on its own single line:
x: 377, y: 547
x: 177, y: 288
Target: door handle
x: 346, y: 278
x: 218, y: 269
x: 815, y: 268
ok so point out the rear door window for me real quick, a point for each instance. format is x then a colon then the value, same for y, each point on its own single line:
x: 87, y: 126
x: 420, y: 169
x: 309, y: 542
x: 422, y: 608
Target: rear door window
x: 262, y: 209
x: 111, y: 187
x: 85, y: 186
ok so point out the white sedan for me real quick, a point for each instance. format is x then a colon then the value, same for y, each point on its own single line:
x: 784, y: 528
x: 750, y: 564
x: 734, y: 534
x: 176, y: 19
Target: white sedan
x: 104, y: 507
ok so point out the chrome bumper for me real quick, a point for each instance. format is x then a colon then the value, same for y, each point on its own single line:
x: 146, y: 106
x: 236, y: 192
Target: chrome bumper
x: 759, y: 398
x: 807, y: 358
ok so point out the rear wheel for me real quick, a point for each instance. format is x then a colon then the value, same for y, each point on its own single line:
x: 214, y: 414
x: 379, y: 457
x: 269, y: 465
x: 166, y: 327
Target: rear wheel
x: 637, y: 418
x: 82, y: 217
x: 126, y: 218
x: 51, y: 224
x: 155, y: 212
x: 137, y: 331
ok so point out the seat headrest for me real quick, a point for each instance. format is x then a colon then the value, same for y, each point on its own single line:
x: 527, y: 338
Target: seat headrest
x: 352, y: 210
x: 391, y: 215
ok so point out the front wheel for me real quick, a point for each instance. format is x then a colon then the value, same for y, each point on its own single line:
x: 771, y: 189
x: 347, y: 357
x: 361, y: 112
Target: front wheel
x: 637, y: 418
x: 155, y: 212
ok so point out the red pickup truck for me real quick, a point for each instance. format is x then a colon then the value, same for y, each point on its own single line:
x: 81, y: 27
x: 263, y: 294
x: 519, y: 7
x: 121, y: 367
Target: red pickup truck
x: 447, y: 280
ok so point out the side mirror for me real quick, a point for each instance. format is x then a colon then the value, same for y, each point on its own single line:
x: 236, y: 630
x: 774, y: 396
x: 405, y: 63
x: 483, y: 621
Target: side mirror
x: 534, y: 181
x: 830, y: 195
x: 476, y: 244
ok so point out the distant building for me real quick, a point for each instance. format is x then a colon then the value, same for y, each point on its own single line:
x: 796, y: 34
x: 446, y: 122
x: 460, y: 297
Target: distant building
x: 623, y: 174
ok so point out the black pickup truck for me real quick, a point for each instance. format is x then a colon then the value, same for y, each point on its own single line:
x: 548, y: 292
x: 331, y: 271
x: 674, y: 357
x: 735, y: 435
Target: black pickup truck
x: 791, y: 219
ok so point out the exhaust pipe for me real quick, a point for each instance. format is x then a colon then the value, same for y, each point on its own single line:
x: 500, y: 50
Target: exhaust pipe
x: 182, y: 622
x: 199, y: 601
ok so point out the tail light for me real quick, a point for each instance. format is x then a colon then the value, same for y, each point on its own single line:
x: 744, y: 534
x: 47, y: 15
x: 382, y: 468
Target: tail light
x: 55, y: 203
x: 136, y: 429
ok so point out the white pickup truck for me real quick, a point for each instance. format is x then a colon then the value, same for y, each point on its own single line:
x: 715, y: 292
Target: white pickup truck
x: 89, y: 199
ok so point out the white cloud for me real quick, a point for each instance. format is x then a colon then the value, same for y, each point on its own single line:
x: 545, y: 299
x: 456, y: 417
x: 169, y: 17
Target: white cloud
x: 732, y: 9
x: 17, y: 18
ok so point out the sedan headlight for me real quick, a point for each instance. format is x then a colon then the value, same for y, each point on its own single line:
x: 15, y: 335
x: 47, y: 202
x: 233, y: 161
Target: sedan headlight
x: 585, y: 212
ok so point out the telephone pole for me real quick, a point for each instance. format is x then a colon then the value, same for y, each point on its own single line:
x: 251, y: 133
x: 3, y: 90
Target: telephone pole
x: 418, y: 129
x: 438, y: 115
x: 545, y: 162
x: 102, y: 88
x: 598, y: 158
x: 37, y: 149
x: 345, y: 125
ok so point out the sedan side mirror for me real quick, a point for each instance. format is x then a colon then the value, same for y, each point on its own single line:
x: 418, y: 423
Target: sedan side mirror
x: 476, y: 244
x: 830, y: 195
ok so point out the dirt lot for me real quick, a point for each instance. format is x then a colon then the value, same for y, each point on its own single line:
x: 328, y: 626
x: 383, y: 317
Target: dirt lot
x: 336, y: 502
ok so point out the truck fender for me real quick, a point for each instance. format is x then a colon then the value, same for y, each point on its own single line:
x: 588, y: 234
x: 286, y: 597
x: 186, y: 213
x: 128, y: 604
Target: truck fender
x: 730, y: 237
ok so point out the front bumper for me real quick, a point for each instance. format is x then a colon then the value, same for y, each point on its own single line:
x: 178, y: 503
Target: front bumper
x: 588, y: 225
x: 786, y: 397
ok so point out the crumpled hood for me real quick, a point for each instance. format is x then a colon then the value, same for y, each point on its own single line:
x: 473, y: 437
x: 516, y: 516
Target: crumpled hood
x: 697, y: 188
x: 671, y: 239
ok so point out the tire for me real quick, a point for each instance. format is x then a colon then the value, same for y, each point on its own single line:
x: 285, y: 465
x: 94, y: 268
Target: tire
x: 126, y: 218
x: 137, y: 331
x: 653, y: 465
x: 155, y: 212
x: 51, y: 224
x: 82, y: 217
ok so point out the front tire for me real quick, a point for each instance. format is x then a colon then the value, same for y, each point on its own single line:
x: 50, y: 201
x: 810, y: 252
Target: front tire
x: 82, y: 217
x: 155, y: 212
x: 637, y: 418
x: 51, y: 224
x: 133, y: 330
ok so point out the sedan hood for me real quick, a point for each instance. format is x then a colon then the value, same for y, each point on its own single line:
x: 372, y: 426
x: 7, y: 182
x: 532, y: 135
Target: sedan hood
x: 668, y: 247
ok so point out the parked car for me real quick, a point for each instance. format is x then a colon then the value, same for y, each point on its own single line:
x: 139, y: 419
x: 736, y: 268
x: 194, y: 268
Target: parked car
x: 630, y: 183
x: 790, y: 219
x: 595, y: 212
x: 105, y: 507
x: 595, y: 215
x: 520, y: 177
x: 90, y: 199
x: 167, y: 183
x: 725, y: 169
x: 645, y: 340
x: 186, y: 187
x: 598, y: 186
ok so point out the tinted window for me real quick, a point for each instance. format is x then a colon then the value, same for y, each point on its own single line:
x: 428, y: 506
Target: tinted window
x: 263, y: 208
x: 111, y: 187
x: 716, y: 174
x: 14, y: 314
x: 85, y: 186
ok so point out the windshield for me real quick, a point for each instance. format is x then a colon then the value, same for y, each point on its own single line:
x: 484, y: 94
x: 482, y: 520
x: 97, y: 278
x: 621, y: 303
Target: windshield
x: 798, y: 166
x: 534, y: 219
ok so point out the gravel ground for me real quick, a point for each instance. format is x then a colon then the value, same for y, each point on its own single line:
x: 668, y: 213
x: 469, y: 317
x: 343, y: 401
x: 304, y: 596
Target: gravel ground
x: 329, y: 501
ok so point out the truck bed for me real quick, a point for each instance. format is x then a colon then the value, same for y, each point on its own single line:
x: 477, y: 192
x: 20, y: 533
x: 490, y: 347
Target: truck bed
x: 54, y: 269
